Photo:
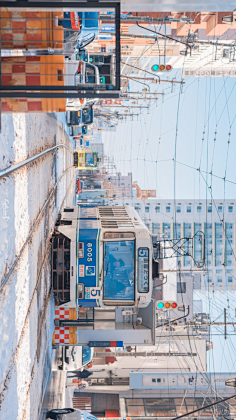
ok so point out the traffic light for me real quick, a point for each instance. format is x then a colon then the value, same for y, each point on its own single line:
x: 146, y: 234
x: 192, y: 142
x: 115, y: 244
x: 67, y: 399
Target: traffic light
x: 161, y: 67
x: 166, y: 304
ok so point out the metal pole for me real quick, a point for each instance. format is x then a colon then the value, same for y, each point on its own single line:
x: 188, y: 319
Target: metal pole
x: 152, y: 78
x: 225, y: 323
x: 55, y: 95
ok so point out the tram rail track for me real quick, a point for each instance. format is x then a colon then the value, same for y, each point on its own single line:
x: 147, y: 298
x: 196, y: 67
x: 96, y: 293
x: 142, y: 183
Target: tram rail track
x: 7, y: 378
x: 10, y: 169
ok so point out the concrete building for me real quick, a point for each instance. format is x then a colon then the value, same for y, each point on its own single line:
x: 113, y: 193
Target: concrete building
x: 204, y: 26
x: 97, y: 147
x: 218, y: 222
x: 159, y: 395
x: 118, y: 185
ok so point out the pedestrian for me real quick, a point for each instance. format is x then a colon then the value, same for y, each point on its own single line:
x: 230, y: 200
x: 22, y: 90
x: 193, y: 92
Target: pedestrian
x: 79, y: 383
x: 81, y: 375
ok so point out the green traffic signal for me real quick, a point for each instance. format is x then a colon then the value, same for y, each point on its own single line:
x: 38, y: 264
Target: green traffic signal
x: 155, y: 67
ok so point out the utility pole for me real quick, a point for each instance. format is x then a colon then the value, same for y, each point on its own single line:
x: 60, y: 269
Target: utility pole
x: 144, y: 354
x: 225, y: 315
x: 139, y: 93
x: 154, y: 80
x: 124, y: 106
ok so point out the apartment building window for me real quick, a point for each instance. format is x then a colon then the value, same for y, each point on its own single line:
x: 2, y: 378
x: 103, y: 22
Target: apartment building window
x: 229, y: 277
x: 167, y: 209
x: 137, y: 208
x: 197, y: 243
x: 165, y: 407
x: 199, y: 209
x: 148, y: 225
x: 219, y: 276
x: 219, y: 243
x: 177, y: 230
x: 157, y: 209
x: 181, y: 287
x: 208, y: 279
x: 147, y: 209
x: 178, y: 209
x: 156, y: 228
x: 187, y: 234
x: 230, y: 209
x: 208, y: 243
x: 189, y: 209
x: 220, y: 209
x: 229, y: 243
x: 166, y: 229
x: 209, y: 209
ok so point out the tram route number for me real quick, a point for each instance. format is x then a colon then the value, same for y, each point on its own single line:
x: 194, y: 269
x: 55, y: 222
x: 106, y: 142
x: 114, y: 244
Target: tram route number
x: 89, y: 252
x: 92, y: 292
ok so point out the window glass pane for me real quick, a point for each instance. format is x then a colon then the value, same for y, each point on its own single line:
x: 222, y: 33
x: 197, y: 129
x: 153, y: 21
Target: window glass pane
x: 119, y: 270
x: 187, y: 234
x: 229, y: 244
x: 134, y: 401
x: 189, y: 209
x: 208, y: 243
x: 157, y: 209
x: 178, y: 209
x: 220, y: 209
x: 197, y: 242
x: 135, y: 411
x: 230, y: 209
x: 209, y: 209
x: 219, y: 243
x: 199, y: 209
x: 167, y: 209
x: 146, y: 209
x: 181, y: 287
x: 166, y: 227
x: 156, y: 228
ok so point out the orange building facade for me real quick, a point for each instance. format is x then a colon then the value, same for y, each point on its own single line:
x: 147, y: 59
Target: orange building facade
x: 21, y: 30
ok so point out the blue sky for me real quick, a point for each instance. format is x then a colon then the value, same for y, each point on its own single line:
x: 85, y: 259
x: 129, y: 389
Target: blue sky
x: 146, y: 146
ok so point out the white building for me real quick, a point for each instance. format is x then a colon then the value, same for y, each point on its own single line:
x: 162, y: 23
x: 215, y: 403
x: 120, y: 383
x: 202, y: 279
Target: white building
x: 97, y: 147
x: 217, y: 221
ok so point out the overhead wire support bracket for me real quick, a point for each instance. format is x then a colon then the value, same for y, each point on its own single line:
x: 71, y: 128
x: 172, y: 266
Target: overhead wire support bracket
x: 181, y: 247
x: 166, y: 36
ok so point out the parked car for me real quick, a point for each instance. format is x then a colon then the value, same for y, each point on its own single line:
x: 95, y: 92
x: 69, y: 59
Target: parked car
x: 74, y: 357
x: 79, y: 132
x: 70, y: 414
x: 80, y: 118
x: 80, y: 29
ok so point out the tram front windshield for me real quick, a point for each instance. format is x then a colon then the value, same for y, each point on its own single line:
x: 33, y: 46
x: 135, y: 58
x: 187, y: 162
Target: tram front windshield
x: 118, y: 270
x: 89, y: 159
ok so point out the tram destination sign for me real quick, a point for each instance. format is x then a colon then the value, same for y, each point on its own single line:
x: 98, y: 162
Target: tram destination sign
x: 143, y: 270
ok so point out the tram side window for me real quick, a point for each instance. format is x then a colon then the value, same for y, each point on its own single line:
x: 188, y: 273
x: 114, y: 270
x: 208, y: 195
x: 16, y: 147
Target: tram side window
x: 118, y: 270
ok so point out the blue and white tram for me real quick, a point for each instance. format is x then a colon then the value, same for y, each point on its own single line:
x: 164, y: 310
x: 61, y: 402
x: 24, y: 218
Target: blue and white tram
x: 102, y: 257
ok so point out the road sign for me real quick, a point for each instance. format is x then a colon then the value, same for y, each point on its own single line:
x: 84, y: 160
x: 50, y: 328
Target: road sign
x: 106, y: 344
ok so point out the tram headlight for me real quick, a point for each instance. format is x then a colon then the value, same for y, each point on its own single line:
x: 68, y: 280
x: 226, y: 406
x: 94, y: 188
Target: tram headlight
x: 80, y: 252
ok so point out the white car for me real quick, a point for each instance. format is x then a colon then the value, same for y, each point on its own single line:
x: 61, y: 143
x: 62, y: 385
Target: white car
x: 74, y: 357
x: 70, y: 414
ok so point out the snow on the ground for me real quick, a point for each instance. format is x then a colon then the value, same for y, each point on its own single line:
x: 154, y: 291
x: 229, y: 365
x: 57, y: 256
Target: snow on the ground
x: 22, y: 194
